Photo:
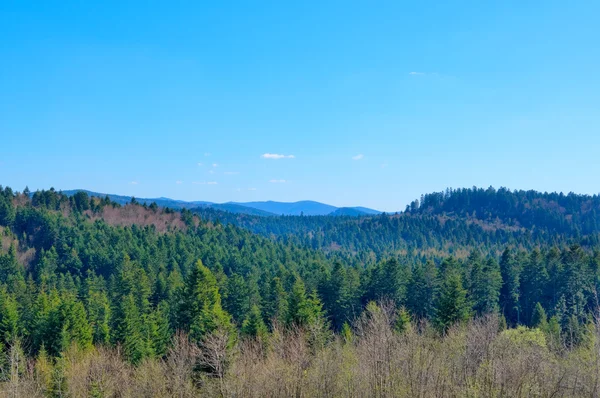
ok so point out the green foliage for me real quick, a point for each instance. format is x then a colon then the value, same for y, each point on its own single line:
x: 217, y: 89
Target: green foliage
x: 129, y: 332
x: 525, y: 337
x: 553, y: 332
x: 452, y: 306
x: 200, y: 308
x: 275, y: 302
x: 402, y: 321
x: 485, y: 284
x: 9, y: 318
x: 539, y: 319
x: 253, y: 325
x: 510, y: 289
x: 422, y: 290
x: 7, y: 210
x: 303, y: 309
x: 347, y: 333
x: 118, y: 281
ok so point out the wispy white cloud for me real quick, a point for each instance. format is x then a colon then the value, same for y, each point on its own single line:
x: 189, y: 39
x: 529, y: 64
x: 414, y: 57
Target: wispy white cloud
x: 134, y: 183
x: 204, y: 183
x: 251, y: 189
x: 277, y: 181
x: 417, y: 73
x: 200, y: 164
x: 230, y: 173
x: 215, y: 165
x: 360, y: 156
x: 276, y: 156
x: 178, y: 182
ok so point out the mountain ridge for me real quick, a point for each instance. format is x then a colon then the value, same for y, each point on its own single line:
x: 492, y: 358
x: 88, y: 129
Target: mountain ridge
x: 257, y: 208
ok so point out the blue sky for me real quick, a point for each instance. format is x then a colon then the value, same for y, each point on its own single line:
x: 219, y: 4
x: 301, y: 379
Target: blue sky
x: 377, y: 102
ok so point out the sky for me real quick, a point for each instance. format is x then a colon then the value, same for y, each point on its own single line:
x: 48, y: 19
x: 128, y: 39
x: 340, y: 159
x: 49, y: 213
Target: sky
x: 368, y: 103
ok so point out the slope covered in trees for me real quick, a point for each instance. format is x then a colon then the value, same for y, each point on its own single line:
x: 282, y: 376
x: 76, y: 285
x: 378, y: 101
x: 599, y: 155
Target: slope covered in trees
x: 79, y: 272
x: 441, y: 224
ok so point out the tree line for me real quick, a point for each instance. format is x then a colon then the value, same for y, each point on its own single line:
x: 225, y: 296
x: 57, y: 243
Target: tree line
x: 70, y: 275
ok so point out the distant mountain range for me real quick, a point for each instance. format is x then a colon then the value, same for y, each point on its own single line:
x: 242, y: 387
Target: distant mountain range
x: 265, y: 209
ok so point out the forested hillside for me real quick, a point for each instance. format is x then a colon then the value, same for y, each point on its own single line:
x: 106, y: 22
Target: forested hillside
x: 441, y: 224
x: 82, y: 276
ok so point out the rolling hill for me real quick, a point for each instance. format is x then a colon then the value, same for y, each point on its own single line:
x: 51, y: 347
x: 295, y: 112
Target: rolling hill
x: 263, y: 209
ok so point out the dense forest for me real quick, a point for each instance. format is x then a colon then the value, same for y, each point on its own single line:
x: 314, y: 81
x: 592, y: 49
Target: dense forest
x: 441, y: 224
x: 218, y: 303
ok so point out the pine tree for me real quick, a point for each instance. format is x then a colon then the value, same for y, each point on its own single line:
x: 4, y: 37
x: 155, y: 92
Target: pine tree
x: 553, y: 332
x: 100, y: 314
x: 201, y: 311
x: 159, y: 330
x: 7, y: 211
x: 99, y: 309
x: 128, y: 330
x: 389, y: 280
x: 346, y: 333
x: 45, y: 271
x: 237, y: 299
x: 10, y: 270
x: 577, y: 282
x: 275, y: 303
x: 452, y: 304
x: 509, y: 292
x: 75, y: 324
x: 254, y: 325
x: 402, y: 321
x: 539, y: 319
x: 9, y: 318
x: 422, y: 290
x: 486, y: 282
x: 300, y: 310
x: 534, y: 279
x: 339, y: 292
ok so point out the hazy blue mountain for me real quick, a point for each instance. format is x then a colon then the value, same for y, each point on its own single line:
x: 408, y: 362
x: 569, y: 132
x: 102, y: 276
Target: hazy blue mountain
x: 237, y: 208
x: 366, y: 210
x: 306, y: 207
x: 162, y: 202
x: 263, y: 209
x: 348, y: 211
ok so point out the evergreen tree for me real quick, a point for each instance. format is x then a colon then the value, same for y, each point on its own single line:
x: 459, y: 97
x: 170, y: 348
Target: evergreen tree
x: 534, y: 279
x: 389, y: 280
x: 509, y: 292
x: 254, y: 325
x: 339, y: 292
x: 486, y: 283
x: 539, y: 319
x: 452, y: 304
x: 76, y: 328
x: 200, y: 310
x: 302, y: 309
x: 9, y: 318
x: 99, y: 315
x: 10, y: 270
x: 158, y: 331
x: 577, y: 282
x: 237, y: 298
x: 422, y: 290
x: 275, y: 303
x: 7, y: 210
x: 402, y: 320
x: 128, y: 330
